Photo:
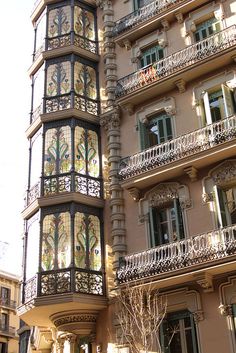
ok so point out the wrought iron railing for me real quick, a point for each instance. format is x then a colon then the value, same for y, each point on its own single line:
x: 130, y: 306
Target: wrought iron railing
x: 64, y: 281
x: 178, y: 148
x: 70, y: 182
x: 143, y: 14
x: 6, y: 302
x: 178, y: 61
x: 65, y: 40
x: 201, y: 249
x: 7, y: 330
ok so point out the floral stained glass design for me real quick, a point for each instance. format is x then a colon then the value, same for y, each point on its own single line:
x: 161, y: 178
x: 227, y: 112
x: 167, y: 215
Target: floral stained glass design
x: 56, y: 246
x: 85, y: 80
x: 58, y: 78
x: 87, y: 242
x: 84, y: 23
x: 57, y: 152
x: 59, y: 21
x: 86, y: 152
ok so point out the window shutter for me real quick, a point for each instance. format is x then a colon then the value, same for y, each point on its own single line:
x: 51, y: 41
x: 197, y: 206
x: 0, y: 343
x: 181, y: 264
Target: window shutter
x: 207, y: 108
x: 143, y: 136
x: 220, y: 207
x: 228, y: 101
x: 179, y: 220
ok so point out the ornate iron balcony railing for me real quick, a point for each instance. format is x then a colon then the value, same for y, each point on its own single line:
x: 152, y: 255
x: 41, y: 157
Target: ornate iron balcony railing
x: 65, y: 40
x: 8, y: 303
x: 143, y: 14
x: 64, y: 281
x: 215, y: 245
x: 178, y: 148
x: 176, y: 62
x: 70, y: 182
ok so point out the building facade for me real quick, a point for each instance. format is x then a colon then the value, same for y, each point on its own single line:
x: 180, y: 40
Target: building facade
x: 9, y: 300
x: 132, y: 171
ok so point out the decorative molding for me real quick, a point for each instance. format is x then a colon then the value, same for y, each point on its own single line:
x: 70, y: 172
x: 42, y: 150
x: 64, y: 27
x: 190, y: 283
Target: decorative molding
x: 207, y: 197
x: 163, y: 194
x: 226, y: 310
x: 179, y: 17
x: 75, y: 318
x: 192, y: 173
x: 129, y: 108
x: 163, y: 42
x: 198, y: 316
x: 185, y: 204
x: 170, y: 110
x: 135, y: 193
x: 225, y: 173
x: 181, y: 85
x: 165, y: 25
x: 127, y: 44
x: 111, y: 119
x: 205, y: 282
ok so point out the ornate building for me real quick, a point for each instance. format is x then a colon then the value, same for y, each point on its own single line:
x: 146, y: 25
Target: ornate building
x: 132, y: 171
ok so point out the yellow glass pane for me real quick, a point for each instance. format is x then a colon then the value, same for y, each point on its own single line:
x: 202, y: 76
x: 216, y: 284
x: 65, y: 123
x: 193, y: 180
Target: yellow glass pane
x: 80, y: 240
x: 48, y: 243
x: 91, y: 89
x: 78, y: 21
x: 80, y: 150
x: 93, y: 156
x: 64, y: 240
x: 59, y: 21
x: 95, y: 258
x: 50, y: 152
x: 79, y: 78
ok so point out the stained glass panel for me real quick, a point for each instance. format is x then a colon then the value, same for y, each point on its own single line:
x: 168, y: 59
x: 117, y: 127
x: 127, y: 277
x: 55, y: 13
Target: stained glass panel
x: 94, y: 243
x: 93, y: 157
x: 84, y: 23
x: 80, y: 240
x: 91, y: 90
x: 58, y: 78
x: 48, y: 243
x: 79, y: 78
x: 64, y: 240
x: 80, y: 150
x: 59, y: 21
x: 57, y: 153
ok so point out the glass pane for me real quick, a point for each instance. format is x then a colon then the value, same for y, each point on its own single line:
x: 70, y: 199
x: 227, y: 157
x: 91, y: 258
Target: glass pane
x: 93, y: 157
x: 189, y: 341
x: 41, y: 31
x: 78, y: 21
x: 91, y: 88
x: 36, y: 159
x: 64, y: 149
x: 169, y: 128
x: 79, y: 78
x: 64, y: 240
x: 32, y: 256
x: 58, y: 78
x: 64, y: 72
x: 48, y: 242
x: 80, y: 150
x: 217, y: 108
x: 38, y: 88
x: 89, y: 30
x: 161, y: 131
x: 94, y: 243
x: 52, y: 80
x: 153, y: 134
x: 50, y: 152
x: 59, y: 21
x: 80, y: 240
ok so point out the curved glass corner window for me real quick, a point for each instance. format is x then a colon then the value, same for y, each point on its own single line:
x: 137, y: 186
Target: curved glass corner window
x: 61, y: 95
x: 40, y: 32
x: 58, y: 162
x: 157, y: 130
x: 32, y: 246
x: 56, y: 241
x: 151, y: 55
x: 87, y: 242
x: 66, y: 27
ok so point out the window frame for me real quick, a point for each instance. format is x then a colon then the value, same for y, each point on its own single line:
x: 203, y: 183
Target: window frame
x: 149, y: 51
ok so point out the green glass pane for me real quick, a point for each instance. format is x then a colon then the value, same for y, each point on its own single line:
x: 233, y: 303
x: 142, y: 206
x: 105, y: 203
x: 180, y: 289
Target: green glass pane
x: 80, y: 240
x: 48, y: 243
x: 92, y: 154
x: 50, y: 152
x: 64, y: 236
x: 80, y: 150
x: 94, y: 243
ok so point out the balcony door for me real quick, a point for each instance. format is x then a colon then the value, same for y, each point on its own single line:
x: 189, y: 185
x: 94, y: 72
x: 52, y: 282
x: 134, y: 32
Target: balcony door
x: 206, y: 29
x: 151, y: 55
x: 225, y: 206
x: 166, y: 224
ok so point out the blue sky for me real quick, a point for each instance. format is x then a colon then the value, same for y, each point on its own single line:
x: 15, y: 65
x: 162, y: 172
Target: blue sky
x: 15, y: 59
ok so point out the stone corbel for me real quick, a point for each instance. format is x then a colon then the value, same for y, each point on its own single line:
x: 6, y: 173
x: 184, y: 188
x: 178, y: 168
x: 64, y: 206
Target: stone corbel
x: 127, y: 44
x: 181, y: 85
x: 129, y: 108
x: 179, y: 17
x: 226, y: 310
x: 135, y: 193
x: 193, y: 27
x: 170, y: 110
x: 191, y: 172
x: 162, y: 43
x: 185, y: 204
x: 165, y: 25
x: 205, y: 282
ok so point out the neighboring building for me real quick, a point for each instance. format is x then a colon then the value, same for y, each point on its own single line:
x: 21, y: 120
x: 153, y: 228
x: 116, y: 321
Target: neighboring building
x: 132, y: 147
x: 9, y: 300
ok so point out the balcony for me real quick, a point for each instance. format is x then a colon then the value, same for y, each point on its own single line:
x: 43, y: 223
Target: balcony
x: 8, y: 303
x: 7, y: 331
x: 187, y: 64
x: 149, y: 17
x: 198, y: 149
x: 214, y: 249
x: 50, y: 292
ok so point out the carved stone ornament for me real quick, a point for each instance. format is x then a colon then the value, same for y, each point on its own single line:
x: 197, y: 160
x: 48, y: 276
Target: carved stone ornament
x: 192, y: 173
x: 111, y: 120
x: 226, y: 310
x: 75, y: 318
x: 185, y: 203
x: 135, y: 193
x: 198, y: 316
x: 163, y: 194
x: 205, y: 282
x: 181, y: 85
x: 225, y: 173
x: 179, y: 16
x: 103, y: 3
x: 207, y: 197
x: 170, y: 110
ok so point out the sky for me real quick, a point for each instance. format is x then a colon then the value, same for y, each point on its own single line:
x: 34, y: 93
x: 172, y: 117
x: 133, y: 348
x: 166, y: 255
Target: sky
x: 15, y: 59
